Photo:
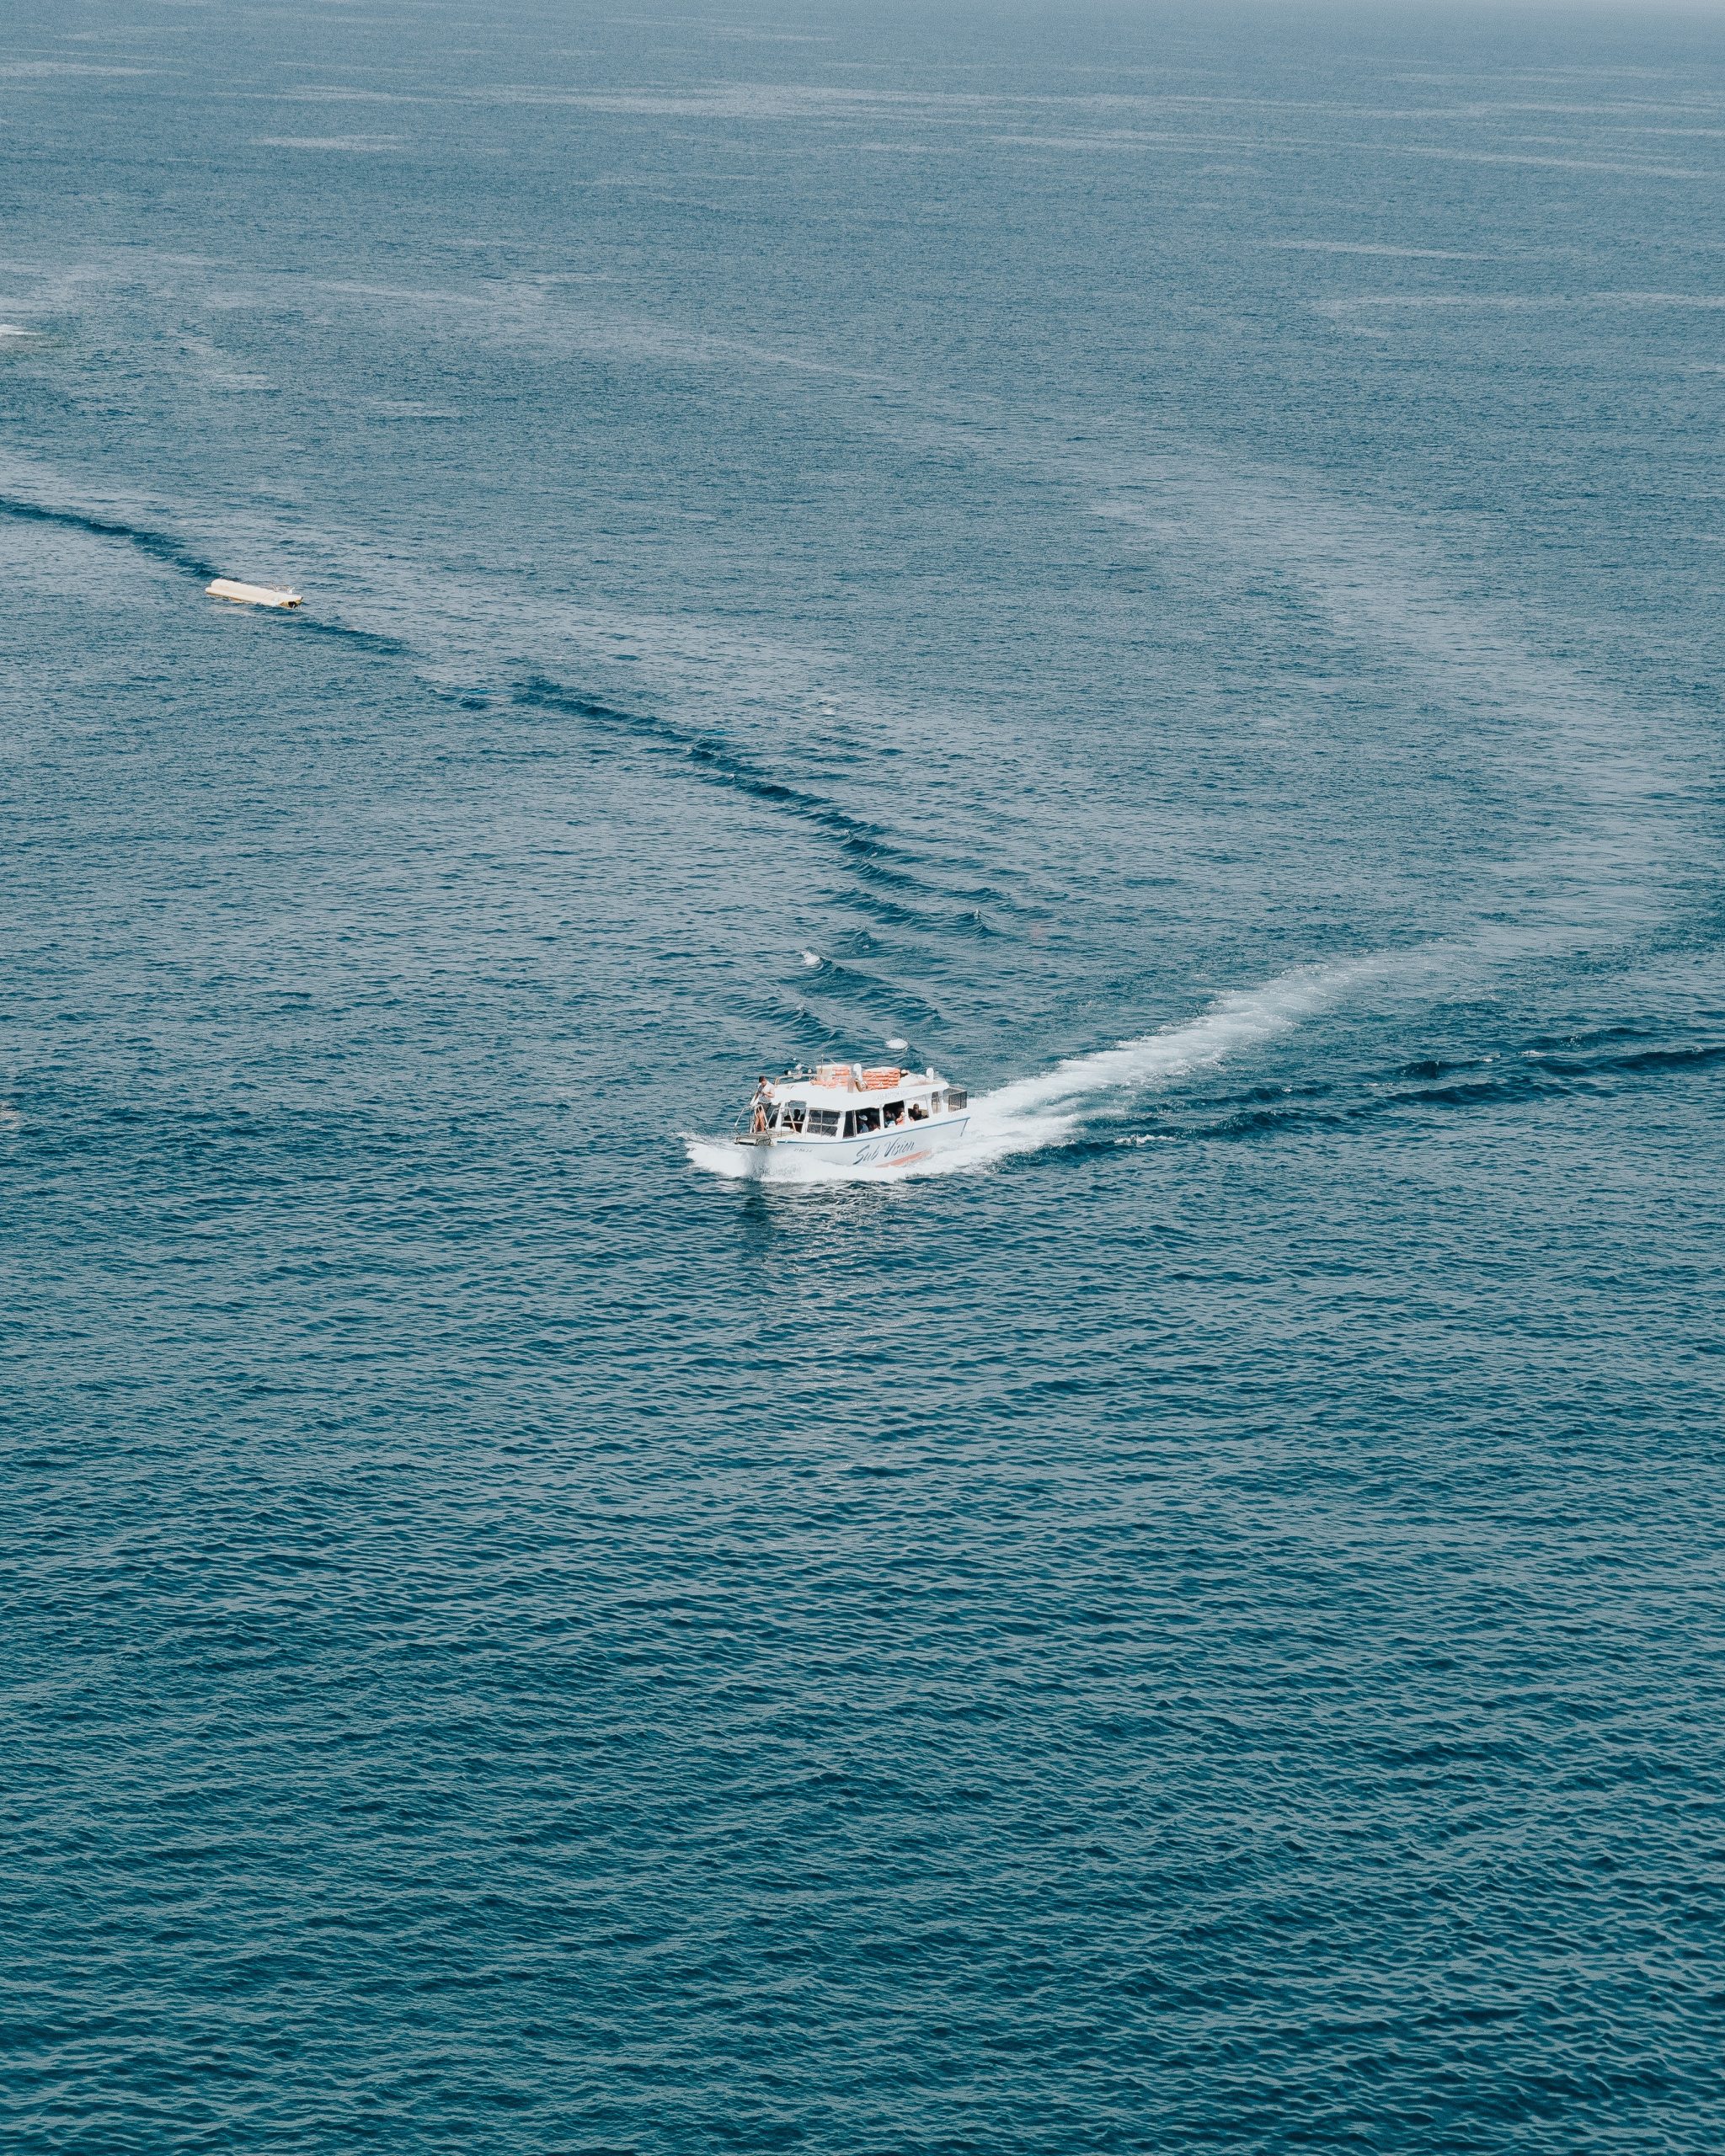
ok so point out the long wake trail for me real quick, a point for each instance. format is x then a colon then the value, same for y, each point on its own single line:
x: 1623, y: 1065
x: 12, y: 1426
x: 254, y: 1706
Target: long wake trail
x: 1034, y: 1114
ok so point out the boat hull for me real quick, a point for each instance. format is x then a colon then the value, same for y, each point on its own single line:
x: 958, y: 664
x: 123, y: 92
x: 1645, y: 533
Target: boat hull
x: 902, y: 1148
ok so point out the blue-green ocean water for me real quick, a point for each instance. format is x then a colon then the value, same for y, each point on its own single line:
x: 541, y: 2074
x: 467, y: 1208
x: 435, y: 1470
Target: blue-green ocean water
x: 1015, y: 531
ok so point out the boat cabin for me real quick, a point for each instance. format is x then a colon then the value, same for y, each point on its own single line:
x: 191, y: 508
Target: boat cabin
x: 840, y: 1101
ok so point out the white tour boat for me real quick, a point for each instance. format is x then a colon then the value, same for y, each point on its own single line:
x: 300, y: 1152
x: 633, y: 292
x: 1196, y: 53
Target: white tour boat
x: 840, y: 1115
x: 251, y: 595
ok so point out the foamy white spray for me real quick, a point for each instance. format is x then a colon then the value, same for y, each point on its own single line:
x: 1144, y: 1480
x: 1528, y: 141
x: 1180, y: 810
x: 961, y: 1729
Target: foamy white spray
x: 1027, y: 1115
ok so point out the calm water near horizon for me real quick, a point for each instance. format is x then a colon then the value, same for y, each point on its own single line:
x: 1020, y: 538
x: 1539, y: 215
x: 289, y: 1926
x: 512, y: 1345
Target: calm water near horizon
x: 1166, y: 561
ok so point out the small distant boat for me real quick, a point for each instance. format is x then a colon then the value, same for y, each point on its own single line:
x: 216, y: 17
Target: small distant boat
x: 841, y: 1115
x: 251, y: 595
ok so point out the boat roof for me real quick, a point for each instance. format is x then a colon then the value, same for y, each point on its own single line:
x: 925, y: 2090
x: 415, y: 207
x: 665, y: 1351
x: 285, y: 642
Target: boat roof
x: 843, y: 1082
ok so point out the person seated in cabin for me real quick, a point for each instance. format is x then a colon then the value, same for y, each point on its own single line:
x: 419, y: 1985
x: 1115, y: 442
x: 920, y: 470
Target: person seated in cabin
x: 918, y: 1112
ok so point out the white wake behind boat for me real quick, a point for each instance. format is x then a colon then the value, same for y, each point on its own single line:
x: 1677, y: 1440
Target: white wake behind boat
x: 841, y: 1115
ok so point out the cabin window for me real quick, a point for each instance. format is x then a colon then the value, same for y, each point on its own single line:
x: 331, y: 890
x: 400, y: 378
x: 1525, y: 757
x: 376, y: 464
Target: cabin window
x: 823, y: 1122
x: 893, y: 1113
x: 958, y: 1097
x: 860, y: 1122
x: 790, y: 1116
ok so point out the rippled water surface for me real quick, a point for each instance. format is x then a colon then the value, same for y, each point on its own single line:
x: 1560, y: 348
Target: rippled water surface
x: 1166, y: 561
